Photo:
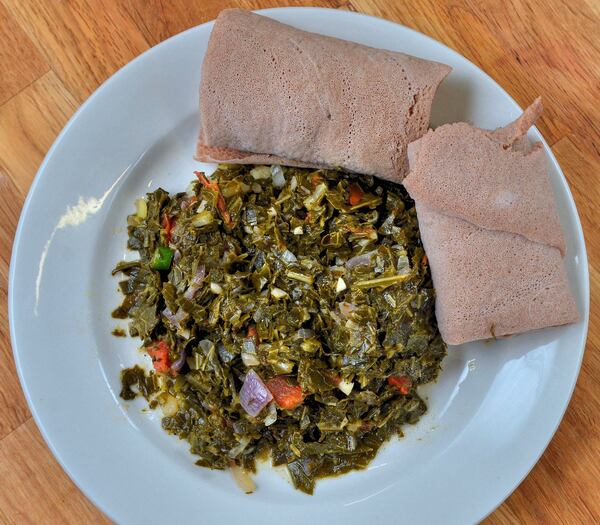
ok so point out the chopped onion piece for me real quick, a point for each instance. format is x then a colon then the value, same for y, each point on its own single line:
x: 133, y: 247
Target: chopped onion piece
x: 216, y: 288
x: 278, y: 178
x: 206, y: 345
x: 340, y: 286
x: 178, y: 365
x: 289, y: 257
x: 239, y: 448
x: 141, y: 208
x: 346, y: 309
x: 271, y: 416
x: 174, y: 318
x: 196, y: 283
x: 202, y: 218
x: 249, y: 357
x: 242, y: 478
x: 403, y: 264
x: 360, y: 260
x: 293, y: 183
x: 389, y: 299
x: 298, y: 230
x: 351, y: 440
x: 260, y: 172
x: 170, y: 406
x: 251, y: 217
x: 304, y: 333
x: 254, y: 395
x: 278, y: 293
x: 315, y: 198
x: 346, y: 386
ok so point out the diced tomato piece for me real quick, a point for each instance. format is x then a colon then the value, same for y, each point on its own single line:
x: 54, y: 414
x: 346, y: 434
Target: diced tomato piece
x: 402, y: 383
x: 253, y: 334
x: 202, y: 178
x: 335, y: 379
x: 356, y: 194
x: 168, y: 224
x: 286, y: 393
x: 159, y: 352
x: 223, y: 210
x: 366, y: 426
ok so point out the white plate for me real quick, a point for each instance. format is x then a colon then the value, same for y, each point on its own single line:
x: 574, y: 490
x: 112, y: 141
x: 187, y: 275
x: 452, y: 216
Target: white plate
x: 491, y: 414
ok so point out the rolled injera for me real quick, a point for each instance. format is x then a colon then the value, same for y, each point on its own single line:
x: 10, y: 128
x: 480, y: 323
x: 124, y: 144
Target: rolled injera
x: 271, y: 93
x: 490, y: 228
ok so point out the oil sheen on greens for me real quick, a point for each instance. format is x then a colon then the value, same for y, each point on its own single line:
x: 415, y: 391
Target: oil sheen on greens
x: 315, y: 278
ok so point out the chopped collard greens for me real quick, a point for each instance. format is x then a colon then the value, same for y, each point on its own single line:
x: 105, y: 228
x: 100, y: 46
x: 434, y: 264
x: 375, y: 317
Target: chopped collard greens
x: 286, y: 311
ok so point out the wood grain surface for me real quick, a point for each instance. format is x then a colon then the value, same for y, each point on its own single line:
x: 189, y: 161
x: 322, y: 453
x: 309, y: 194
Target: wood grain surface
x: 54, y: 53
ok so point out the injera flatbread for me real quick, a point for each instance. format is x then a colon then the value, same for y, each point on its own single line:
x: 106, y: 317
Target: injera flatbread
x: 496, y: 257
x: 478, y: 175
x: 268, y: 88
x: 492, y: 283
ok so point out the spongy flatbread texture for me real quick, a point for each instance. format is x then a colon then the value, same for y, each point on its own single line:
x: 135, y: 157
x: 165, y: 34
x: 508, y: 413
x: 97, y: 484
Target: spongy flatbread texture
x: 492, y: 179
x: 491, y: 231
x: 492, y: 283
x: 269, y: 88
x: 514, y: 134
x: 234, y: 156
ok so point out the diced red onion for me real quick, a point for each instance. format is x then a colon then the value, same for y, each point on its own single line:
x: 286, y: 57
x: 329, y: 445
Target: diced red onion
x: 196, y: 283
x: 289, y: 257
x: 277, y: 176
x: 346, y: 309
x: 304, y: 333
x: 254, y: 395
x: 360, y: 260
x: 239, y: 448
x: 178, y: 365
x: 251, y: 217
x: 271, y: 416
x: 249, y: 357
x: 200, y: 274
x: 175, y: 318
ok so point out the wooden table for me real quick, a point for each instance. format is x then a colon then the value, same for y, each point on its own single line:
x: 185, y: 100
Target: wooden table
x: 53, y: 54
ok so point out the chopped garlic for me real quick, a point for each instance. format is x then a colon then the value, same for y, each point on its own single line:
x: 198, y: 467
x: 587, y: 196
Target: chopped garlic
x: 141, y: 208
x: 278, y: 293
x: 261, y: 172
x: 346, y: 386
x: 170, y: 406
x: 216, y: 288
x: 298, y: 230
x: 340, y: 286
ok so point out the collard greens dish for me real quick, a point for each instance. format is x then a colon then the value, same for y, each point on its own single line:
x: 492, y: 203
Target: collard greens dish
x: 287, y: 312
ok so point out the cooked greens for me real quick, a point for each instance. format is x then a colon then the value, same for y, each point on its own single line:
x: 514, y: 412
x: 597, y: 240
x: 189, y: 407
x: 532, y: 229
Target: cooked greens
x: 286, y: 311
